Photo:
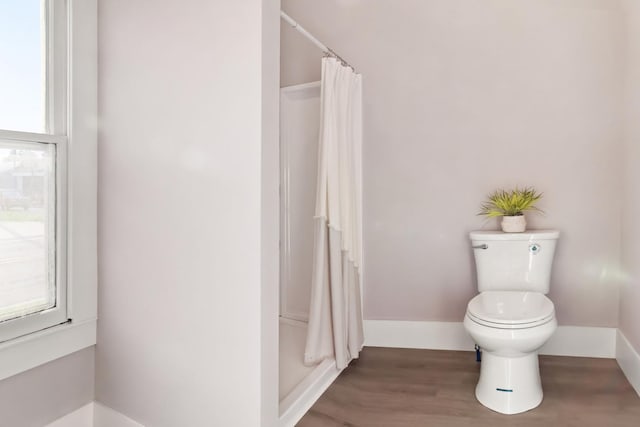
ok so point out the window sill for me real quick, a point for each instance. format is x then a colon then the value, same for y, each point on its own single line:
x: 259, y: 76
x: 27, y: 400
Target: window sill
x: 29, y: 351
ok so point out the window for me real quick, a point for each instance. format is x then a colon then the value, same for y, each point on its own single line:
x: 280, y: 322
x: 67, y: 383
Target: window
x: 28, y: 257
x: 32, y: 184
x: 47, y: 180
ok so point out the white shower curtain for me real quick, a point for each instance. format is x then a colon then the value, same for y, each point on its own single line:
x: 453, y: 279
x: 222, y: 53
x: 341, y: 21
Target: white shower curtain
x: 335, y: 315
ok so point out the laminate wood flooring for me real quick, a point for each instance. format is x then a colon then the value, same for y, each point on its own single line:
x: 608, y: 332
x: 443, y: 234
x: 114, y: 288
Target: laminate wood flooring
x: 389, y: 387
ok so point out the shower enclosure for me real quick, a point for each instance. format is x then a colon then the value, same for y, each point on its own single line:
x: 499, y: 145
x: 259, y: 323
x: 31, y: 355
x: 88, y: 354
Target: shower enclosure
x: 321, y: 327
x: 299, y: 127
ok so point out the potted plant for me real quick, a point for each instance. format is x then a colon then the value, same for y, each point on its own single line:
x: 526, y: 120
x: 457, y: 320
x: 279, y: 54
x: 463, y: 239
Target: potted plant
x: 511, y: 205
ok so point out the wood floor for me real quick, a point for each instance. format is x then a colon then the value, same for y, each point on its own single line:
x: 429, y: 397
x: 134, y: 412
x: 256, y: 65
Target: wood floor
x: 390, y: 387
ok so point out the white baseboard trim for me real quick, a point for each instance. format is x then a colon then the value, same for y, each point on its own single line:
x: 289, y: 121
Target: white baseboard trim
x: 104, y: 416
x: 567, y: 341
x: 304, y: 395
x: 629, y: 361
x: 94, y: 414
x: 414, y: 334
x: 582, y: 341
x: 82, y: 417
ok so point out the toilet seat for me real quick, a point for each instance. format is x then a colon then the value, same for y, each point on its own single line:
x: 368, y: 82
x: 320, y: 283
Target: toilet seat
x: 510, y: 309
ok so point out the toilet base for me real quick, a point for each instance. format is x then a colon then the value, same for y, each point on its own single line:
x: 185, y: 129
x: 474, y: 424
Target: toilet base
x: 509, y: 385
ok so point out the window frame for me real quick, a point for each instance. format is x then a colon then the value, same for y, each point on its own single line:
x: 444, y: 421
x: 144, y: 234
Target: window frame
x: 72, y: 126
x: 58, y: 314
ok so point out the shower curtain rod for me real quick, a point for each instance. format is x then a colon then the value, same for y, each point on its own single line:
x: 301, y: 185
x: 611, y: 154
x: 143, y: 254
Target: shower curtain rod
x: 314, y: 40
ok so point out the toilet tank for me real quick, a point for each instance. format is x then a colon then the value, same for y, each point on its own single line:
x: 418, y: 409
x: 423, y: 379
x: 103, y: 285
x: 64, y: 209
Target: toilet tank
x: 514, y: 261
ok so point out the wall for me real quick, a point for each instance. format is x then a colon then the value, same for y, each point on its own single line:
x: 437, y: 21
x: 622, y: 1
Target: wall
x: 187, y: 91
x: 270, y: 212
x: 43, y: 394
x: 630, y: 296
x: 463, y: 97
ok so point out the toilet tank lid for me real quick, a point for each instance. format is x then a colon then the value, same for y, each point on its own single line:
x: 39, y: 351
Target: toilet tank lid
x: 527, y: 235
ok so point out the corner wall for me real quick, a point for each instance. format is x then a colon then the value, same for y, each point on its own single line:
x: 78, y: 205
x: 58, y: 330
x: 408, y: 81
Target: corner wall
x: 630, y: 294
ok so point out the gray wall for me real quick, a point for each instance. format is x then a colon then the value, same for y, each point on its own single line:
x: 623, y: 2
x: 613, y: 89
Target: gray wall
x: 463, y: 97
x: 186, y: 87
x: 41, y: 395
x: 630, y: 298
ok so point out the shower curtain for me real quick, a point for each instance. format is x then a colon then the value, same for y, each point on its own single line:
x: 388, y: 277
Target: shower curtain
x: 335, y: 315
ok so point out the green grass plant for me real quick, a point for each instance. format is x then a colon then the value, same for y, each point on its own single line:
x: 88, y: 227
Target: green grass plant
x: 20, y: 216
x: 510, y: 202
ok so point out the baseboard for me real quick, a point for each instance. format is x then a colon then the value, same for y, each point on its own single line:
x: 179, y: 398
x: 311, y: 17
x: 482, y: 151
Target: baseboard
x: 107, y: 417
x: 582, y: 341
x: 629, y: 361
x: 567, y: 341
x: 301, y: 399
x: 94, y: 414
x: 414, y: 334
x: 82, y: 417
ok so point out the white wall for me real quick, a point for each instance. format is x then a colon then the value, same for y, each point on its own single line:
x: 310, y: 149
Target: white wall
x: 188, y: 94
x: 43, y: 394
x: 630, y: 296
x: 270, y: 211
x: 463, y: 97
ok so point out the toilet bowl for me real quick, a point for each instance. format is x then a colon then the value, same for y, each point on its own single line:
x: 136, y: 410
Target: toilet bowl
x: 511, y: 317
x: 510, y: 326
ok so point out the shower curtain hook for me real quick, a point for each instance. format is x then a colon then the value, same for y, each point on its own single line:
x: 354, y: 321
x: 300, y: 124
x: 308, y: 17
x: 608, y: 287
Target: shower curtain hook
x: 339, y: 58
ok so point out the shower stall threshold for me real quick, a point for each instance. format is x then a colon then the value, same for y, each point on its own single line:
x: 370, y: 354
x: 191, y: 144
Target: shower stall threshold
x: 300, y: 386
x: 295, y: 404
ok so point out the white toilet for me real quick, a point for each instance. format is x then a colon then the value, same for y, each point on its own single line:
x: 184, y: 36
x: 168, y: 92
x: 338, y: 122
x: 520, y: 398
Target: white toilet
x: 511, y: 318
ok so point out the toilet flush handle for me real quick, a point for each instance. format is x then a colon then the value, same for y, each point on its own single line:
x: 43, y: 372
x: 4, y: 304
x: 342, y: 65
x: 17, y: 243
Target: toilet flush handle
x: 482, y: 246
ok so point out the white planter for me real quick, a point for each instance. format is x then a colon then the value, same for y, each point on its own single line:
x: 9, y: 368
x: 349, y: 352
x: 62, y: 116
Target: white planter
x: 514, y: 224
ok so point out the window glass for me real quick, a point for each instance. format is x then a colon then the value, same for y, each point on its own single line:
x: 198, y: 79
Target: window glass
x: 27, y: 229
x: 23, y: 73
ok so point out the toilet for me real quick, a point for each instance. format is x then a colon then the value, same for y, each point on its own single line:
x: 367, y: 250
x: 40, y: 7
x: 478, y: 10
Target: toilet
x: 511, y: 317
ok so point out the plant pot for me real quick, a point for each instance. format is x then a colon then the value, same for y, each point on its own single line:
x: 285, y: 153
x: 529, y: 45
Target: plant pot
x: 514, y: 224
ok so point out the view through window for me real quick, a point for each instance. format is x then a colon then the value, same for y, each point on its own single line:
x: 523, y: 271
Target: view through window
x: 28, y: 164
x: 27, y: 259
x: 23, y: 71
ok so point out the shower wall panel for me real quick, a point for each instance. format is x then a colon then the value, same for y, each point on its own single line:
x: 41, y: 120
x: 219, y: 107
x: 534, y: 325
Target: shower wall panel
x: 299, y: 125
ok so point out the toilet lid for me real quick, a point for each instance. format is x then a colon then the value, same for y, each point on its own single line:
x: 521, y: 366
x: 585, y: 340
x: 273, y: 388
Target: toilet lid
x: 511, y: 308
